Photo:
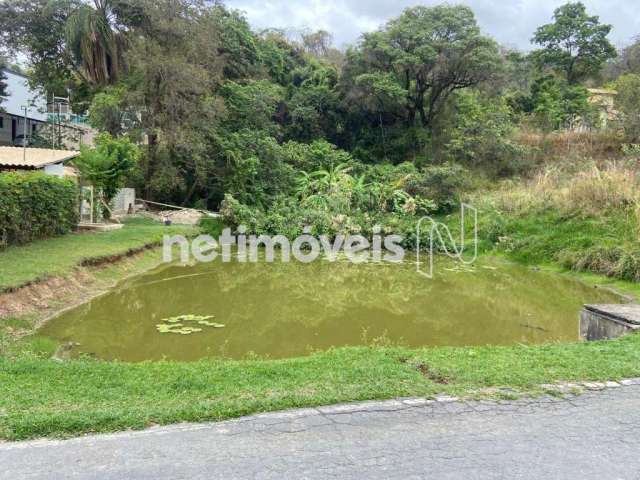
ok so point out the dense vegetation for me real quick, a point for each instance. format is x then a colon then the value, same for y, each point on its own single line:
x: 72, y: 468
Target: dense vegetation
x: 34, y: 206
x: 280, y: 133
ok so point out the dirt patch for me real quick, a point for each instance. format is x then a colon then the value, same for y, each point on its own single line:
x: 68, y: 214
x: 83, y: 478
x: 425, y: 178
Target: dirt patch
x: 41, y: 295
x: 110, y: 259
x: 432, y: 375
x: 177, y: 217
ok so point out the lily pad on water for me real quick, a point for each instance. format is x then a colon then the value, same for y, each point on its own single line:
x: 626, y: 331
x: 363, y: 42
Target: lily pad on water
x: 210, y: 324
x: 172, y: 328
x: 177, y: 324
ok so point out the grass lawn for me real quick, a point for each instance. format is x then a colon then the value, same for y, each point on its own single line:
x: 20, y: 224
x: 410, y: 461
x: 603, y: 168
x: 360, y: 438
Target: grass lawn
x: 58, y: 256
x: 42, y: 397
x: 48, y: 398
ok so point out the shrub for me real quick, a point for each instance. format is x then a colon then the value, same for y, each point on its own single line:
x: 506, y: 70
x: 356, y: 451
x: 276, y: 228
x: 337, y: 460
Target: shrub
x: 628, y: 103
x: 439, y: 183
x: 314, y: 156
x: 35, y: 205
x: 616, y: 262
x: 108, y: 164
x: 482, y: 135
x: 236, y: 213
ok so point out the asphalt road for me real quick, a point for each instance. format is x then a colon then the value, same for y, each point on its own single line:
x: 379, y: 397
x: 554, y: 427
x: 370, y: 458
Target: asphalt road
x: 592, y: 436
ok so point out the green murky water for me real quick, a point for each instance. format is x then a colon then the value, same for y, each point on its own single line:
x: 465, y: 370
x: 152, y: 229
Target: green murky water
x: 283, y: 310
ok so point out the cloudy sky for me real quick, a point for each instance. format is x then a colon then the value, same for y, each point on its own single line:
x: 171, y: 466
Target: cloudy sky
x: 511, y: 22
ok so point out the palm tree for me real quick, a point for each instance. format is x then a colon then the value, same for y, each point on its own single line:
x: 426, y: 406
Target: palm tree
x: 328, y: 179
x: 95, y: 43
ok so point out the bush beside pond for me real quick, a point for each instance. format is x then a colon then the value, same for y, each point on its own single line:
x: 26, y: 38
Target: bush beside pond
x: 34, y: 206
x: 351, y: 198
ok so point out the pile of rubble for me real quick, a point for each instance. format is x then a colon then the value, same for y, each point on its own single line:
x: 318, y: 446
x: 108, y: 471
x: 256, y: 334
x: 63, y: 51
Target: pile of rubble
x: 180, y: 217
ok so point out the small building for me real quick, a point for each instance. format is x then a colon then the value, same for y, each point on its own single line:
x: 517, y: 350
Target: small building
x: 51, y: 162
x: 12, y: 114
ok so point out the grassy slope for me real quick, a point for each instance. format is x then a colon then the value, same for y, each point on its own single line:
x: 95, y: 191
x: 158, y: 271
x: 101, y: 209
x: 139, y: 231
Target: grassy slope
x: 46, y: 398
x: 543, y: 236
x: 58, y: 256
x: 562, y: 242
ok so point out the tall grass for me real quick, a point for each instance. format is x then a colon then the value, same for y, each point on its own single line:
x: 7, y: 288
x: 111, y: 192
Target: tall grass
x: 570, y: 146
x: 593, y: 190
x: 585, y: 216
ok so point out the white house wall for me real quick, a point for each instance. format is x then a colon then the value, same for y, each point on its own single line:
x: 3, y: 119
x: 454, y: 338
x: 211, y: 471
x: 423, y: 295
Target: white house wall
x: 19, y: 94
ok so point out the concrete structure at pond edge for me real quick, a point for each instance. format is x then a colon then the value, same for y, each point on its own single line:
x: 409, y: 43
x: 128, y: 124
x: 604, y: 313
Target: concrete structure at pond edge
x: 599, y: 322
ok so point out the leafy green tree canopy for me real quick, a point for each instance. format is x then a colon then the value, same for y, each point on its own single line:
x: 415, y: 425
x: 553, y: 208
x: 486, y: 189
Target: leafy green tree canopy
x: 431, y: 52
x: 575, y: 44
x: 95, y: 43
x: 251, y: 105
x: 108, y: 164
x: 628, y: 103
x: 36, y: 29
x: 557, y: 104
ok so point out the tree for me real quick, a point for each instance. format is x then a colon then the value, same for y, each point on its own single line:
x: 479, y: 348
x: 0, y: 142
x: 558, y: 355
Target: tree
x: 313, y: 103
x: 628, y: 61
x: 317, y: 43
x: 175, y: 68
x: 480, y: 133
x: 630, y: 57
x: 575, y: 45
x: 108, y: 112
x: 278, y: 57
x: 108, y: 164
x: 556, y: 104
x: 628, y: 104
x: 237, y: 43
x: 35, y: 29
x: 430, y: 52
x: 95, y: 44
x: 252, y: 105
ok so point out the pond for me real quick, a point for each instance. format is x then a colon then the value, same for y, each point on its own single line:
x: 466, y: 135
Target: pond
x: 282, y: 310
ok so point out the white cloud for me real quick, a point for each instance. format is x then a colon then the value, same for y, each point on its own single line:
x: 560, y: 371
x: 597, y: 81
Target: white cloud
x: 511, y: 22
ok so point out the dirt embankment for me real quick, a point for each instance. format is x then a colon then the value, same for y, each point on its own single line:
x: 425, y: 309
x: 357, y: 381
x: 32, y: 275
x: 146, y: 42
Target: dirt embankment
x: 43, y: 299
x: 41, y: 296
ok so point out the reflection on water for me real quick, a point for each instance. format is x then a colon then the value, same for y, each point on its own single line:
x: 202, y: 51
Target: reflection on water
x: 288, y: 309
